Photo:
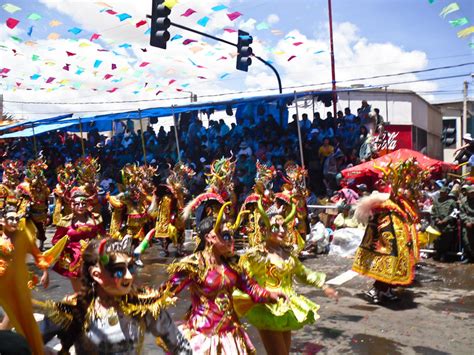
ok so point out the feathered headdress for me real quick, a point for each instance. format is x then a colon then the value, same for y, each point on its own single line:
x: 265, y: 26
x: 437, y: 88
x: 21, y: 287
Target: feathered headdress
x: 178, y: 175
x: 87, y: 169
x: 35, y: 170
x: 12, y: 170
x: 264, y: 173
x: 222, y: 171
x: 405, y: 177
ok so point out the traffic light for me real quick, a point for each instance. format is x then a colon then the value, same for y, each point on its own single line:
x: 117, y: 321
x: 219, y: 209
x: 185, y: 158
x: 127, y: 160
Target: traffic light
x: 448, y: 135
x: 160, y: 23
x: 244, y: 51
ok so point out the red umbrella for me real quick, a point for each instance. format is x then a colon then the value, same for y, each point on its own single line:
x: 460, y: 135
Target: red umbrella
x: 368, y: 168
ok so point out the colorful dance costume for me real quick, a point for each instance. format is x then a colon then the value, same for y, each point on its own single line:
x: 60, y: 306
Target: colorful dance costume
x: 130, y: 208
x: 211, y: 325
x: 15, y: 295
x: 118, y: 330
x: 262, y: 190
x: 69, y: 263
x: 34, y: 193
x: 219, y: 190
x: 10, y: 180
x: 389, y: 249
x: 66, y: 180
x: 278, y: 275
x: 168, y: 205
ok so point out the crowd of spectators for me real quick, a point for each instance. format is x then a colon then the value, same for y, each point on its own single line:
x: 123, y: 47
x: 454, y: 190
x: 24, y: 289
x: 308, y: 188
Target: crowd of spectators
x: 329, y: 145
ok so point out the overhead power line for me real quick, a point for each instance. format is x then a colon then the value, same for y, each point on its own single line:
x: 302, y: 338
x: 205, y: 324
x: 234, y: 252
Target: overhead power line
x: 240, y: 92
x: 246, y: 91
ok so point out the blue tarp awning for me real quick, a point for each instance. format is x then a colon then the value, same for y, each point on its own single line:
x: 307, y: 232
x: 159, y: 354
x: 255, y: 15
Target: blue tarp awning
x: 29, y: 132
x: 35, y: 122
x: 66, y: 121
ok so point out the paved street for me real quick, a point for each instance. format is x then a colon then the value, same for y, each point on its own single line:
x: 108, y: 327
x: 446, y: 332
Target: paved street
x: 435, y: 316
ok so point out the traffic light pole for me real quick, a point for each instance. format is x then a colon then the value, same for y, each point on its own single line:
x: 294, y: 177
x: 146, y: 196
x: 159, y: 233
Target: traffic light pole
x: 231, y: 44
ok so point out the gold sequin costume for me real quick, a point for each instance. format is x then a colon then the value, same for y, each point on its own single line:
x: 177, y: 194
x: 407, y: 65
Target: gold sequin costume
x: 389, y: 249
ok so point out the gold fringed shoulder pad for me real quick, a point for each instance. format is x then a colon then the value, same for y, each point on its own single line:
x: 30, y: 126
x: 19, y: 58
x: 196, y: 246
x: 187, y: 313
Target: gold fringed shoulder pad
x: 61, y: 313
x: 147, y: 300
x: 65, y: 221
x: 194, y: 265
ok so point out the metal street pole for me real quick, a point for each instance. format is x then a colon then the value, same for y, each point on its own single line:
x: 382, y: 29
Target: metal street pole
x: 333, y: 69
x: 464, y: 111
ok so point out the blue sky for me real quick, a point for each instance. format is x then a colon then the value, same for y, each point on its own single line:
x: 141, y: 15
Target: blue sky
x: 372, y: 37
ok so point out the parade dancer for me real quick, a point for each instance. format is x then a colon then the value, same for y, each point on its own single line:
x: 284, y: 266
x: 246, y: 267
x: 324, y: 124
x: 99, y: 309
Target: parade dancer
x: 274, y: 266
x: 80, y: 226
x: 389, y: 249
x: 294, y: 190
x: 167, y: 206
x: 17, y: 239
x: 110, y: 315
x: 219, y: 190
x: 34, y: 193
x: 12, y: 171
x: 66, y: 176
x: 130, y: 207
x: 211, y: 324
x: 262, y: 190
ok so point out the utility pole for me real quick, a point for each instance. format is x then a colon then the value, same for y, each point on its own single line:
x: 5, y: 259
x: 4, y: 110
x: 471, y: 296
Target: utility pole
x: 333, y: 66
x: 464, y: 112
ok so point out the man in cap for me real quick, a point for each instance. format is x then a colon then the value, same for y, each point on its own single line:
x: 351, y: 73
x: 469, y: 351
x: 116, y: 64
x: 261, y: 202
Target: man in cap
x: 467, y: 220
x: 445, y: 221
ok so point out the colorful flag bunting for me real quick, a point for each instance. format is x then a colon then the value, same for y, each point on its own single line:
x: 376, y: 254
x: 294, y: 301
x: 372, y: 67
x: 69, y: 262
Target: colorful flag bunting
x: 94, y: 37
x: 34, y: 17
x: 75, y: 30
x: 203, y: 22
x: 175, y: 37
x: 53, y: 36
x: 30, y: 31
x: 125, y: 45
x: 230, y: 30
x: 12, y: 22
x: 107, y: 76
x: 170, y: 3
x: 224, y: 76
x: 234, y: 15
x: 219, y: 8
x: 114, y: 66
x: 297, y: 44
x: 112, y: 90
x: 262, y: 26
x: 123, y: 17
x: 188, y: 41
x: 171, y: 81
x: 459, y: 22
x: 111, y: 12
x: 292, y: 57
x: 188, y: 13
x: 10, y: 8
x: 97, y: 63
x: 144, y: 64
x: 70, y: 54
x: 140, y: 23
x: 66, y: 67
x: 35, y: 76
x: 466, y: 32
x: 35, y: 57
x: 50, y: 80
x: 448, y: 9
x: 55, y: 23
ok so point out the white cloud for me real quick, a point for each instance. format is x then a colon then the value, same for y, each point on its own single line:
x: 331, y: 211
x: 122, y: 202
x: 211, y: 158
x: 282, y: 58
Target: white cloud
x: 355, y: 57
x: 273, y: 19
